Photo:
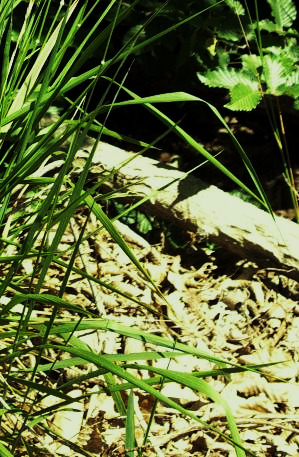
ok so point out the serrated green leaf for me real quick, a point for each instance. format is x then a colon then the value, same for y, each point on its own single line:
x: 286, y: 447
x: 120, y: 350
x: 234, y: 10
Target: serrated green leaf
x: 293, y: 78
x: 292, y: 90
x: 223, y: 77
x: 296, y: 104
x: 268, y: 25
x: 283, y: 11
x: 251, y: 62
x: 244, y: 97
x: 236, y: 7
x: 274, y: 74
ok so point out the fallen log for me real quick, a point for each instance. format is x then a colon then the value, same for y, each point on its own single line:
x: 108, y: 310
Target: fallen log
x: 215, y: 215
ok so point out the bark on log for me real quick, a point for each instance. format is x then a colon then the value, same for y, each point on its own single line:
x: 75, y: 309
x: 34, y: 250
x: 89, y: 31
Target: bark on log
x: 236, y: 225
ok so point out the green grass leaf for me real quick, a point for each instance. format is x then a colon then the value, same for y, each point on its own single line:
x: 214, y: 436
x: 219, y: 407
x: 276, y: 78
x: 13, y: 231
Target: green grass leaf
x: 4, y: 452
x: 101, y: 361
x: 130, y: 426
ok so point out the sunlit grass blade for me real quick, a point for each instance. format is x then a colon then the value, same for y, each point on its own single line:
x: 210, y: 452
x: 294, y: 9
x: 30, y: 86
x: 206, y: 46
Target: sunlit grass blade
x: 130, y: 426
x: 101, y: 361
x: 4, y: 452
x: 131, y: 332
x: 202, y: 386
x: 45, y: 299
x: 181, y: 96
x: 36, y: 69
x: 103, y: 218
x: 77, y: 80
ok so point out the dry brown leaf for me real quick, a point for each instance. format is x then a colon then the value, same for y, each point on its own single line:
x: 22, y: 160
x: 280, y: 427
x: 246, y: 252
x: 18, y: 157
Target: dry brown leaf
x: 177, y: 280
x: 257, y: 404
x: 283, y: 447
x: 158, y: 272
x: 67, y: 422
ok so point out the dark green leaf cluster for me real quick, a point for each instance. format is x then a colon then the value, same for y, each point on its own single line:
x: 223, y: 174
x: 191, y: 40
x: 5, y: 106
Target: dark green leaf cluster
x: 264, y: 62
x: 248, y: 48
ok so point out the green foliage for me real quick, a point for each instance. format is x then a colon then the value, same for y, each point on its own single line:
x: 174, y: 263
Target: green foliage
x: 225, y: 44
x: 49, y: 50
x: 273, y: 70
x: 284, y: 12
x: 142, y: 222
x: 45, y: 58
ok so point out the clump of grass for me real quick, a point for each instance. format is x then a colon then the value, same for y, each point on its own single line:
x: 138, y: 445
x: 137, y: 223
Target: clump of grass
x: 42, y: 63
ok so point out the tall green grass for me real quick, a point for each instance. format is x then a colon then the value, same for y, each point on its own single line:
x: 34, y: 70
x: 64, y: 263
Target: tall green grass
x: 43, y: 60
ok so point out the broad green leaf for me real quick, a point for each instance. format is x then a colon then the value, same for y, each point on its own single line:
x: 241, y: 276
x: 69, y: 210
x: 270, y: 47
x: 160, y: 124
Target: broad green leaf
x: 283, y: 11
x: 244, y: 97
x: 222, y: 77
x: 251, y: 62
x: 236, y: 7
x: 274, y: 74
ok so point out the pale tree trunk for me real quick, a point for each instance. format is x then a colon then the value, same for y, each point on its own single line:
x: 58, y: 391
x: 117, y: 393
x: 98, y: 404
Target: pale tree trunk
x: 232, y: 223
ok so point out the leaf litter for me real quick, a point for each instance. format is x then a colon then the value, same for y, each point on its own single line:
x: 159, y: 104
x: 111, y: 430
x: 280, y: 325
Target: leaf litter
x: 224, y: 307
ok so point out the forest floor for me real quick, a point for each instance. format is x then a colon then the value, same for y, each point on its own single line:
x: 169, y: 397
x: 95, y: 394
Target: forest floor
x: 222, y: 305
